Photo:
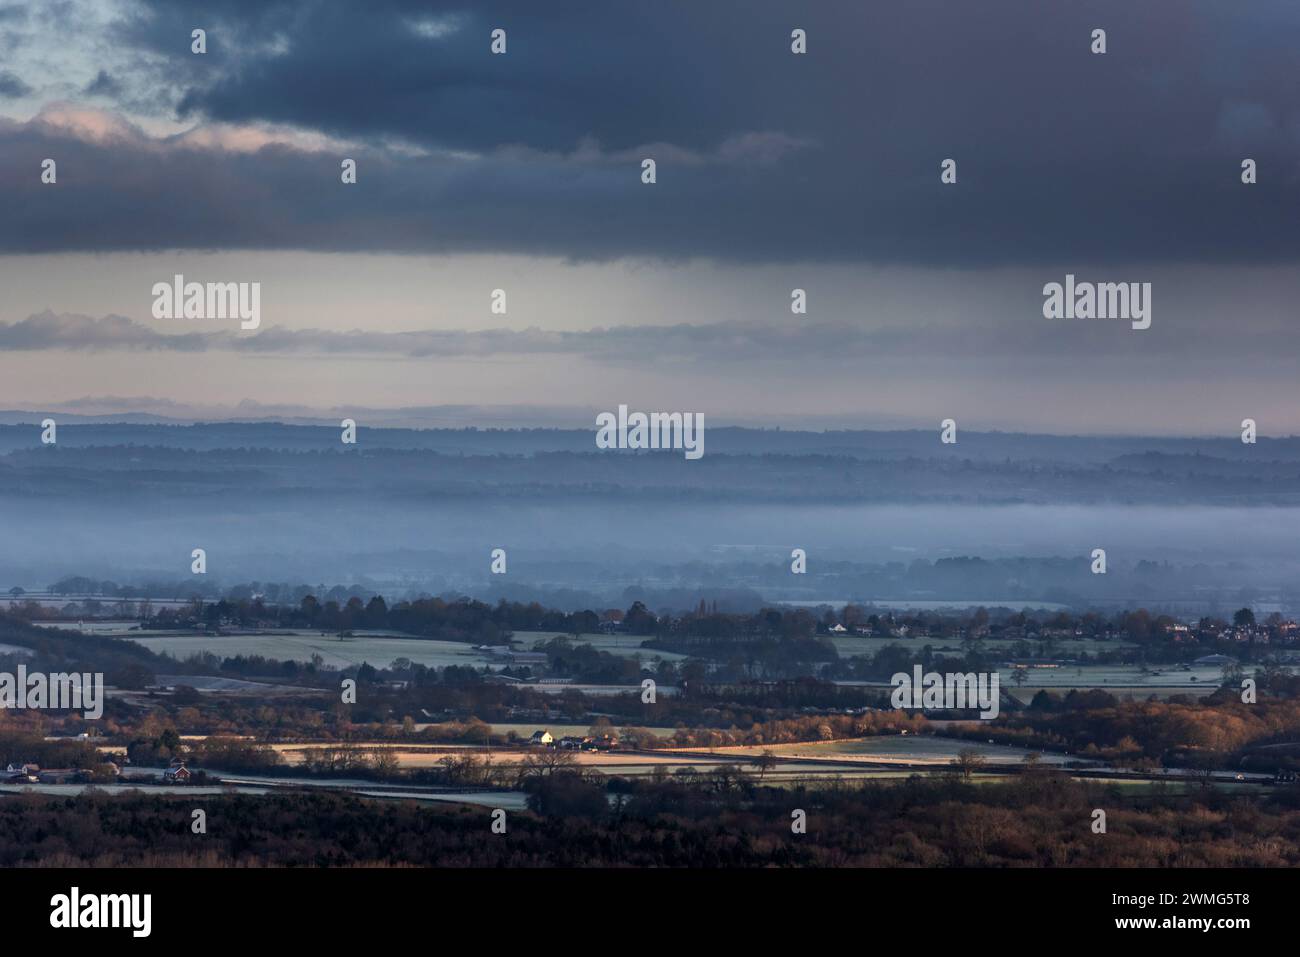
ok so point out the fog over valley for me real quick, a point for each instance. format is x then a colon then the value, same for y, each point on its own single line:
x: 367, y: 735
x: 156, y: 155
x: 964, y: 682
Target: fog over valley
x: 882, y: 516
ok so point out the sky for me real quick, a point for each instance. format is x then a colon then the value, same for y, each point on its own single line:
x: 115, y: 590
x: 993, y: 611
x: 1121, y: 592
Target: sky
x: 774, y: 171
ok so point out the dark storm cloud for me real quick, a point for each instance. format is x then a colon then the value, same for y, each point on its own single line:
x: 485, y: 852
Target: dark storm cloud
x: 103, y: 85
x: 1063, y: 156
x: 12, y: 86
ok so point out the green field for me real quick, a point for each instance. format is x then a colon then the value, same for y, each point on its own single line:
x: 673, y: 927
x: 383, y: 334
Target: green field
x: 378, y: 650
x: 1124, y: 681
x: 625, y: 646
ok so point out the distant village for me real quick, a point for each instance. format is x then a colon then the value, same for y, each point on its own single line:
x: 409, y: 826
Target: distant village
x: 544, y: 739
x: 32, y: 773
x: 1275, y: 630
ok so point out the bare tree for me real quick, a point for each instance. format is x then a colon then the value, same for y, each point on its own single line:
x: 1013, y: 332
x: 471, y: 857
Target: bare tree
x: 384, y: 762
x: 544, y: 762
x: 764, y: 763
x: 967, y: 761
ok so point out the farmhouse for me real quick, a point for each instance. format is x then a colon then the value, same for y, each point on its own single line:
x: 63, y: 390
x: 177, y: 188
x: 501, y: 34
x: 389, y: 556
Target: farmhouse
x: 22, y: 773
x: 541, y: 738
x: 177, y: 773
x: 571, y: 742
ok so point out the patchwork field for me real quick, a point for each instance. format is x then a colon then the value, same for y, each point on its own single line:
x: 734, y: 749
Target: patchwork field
x: 1118, y: 680
x: 878, y: 757
x: 382, y: 648
x: 624, y: 646
x: 378, y: 649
